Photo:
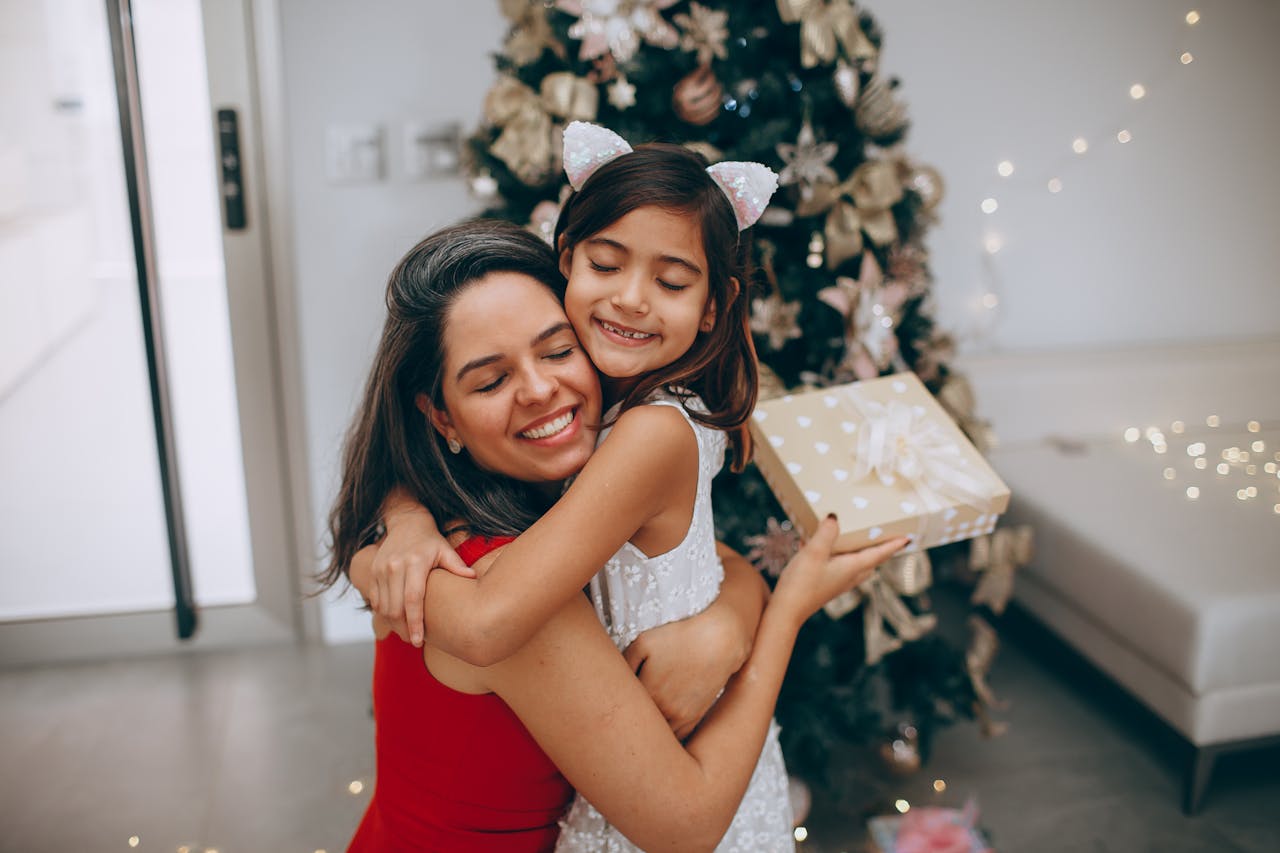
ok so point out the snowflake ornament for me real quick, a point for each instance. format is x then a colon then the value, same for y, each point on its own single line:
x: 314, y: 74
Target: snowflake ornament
x: 619, y: 26
x: 622, y: 94
x: 705, y: 32
x: 773, y: 317
x: 772, y: 550
x: 808, y: 162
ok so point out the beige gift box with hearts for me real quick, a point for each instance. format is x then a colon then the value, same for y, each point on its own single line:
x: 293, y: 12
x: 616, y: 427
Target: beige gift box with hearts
x: 884, y: 456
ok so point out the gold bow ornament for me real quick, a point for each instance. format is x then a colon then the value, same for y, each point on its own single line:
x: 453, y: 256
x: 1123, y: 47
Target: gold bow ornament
x: 863, y: 204
x: 881, y: 599
x: 527, y: 142
x: 826, y: 25
x: 530, y: 32
x: 998, y: 556
x: 977, y: 661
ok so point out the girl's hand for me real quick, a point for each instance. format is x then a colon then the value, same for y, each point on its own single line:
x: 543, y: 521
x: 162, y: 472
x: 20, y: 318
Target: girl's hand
x: 412, y: 548
x: 815, y: 575
x: 684, y: 665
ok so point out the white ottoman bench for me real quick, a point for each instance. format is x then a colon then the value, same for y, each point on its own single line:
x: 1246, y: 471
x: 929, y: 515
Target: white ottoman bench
x: 1175, y: 598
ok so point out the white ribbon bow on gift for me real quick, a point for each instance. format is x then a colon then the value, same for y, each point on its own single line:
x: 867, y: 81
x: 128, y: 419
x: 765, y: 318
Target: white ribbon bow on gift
x: 896, y: 439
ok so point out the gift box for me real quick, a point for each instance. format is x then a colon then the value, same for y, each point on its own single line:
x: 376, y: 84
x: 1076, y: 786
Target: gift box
x: 930, y: 829
x: 884, y: 456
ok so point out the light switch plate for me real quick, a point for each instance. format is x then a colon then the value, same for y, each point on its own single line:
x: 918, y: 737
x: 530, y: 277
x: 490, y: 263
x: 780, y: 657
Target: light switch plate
x: 354, y: 153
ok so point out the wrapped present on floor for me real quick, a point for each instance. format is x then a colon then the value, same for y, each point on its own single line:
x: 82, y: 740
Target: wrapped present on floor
x: 883, y: 456
x: 930, y: 829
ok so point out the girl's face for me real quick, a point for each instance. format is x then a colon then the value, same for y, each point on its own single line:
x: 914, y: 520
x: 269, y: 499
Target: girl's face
x: 638, y: 291
x: 519, y: 393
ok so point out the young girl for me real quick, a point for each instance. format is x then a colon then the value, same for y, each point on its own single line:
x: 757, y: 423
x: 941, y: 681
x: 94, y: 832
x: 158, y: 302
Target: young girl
x: 650, y: 243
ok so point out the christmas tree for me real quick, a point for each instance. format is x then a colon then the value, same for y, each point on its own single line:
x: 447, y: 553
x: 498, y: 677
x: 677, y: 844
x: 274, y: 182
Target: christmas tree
x: 842, y: 293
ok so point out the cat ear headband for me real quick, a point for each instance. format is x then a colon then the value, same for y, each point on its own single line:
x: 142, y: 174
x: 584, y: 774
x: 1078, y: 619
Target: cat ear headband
x: 748, y: 186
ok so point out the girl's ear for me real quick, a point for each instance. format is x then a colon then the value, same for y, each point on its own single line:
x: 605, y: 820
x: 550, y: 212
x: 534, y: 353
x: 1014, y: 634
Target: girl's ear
x: 566, y: 259
x: 438, y: 418
x: 709, y: 315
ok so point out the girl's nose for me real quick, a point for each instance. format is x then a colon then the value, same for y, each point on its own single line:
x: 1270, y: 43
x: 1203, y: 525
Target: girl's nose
x: 630, y: 295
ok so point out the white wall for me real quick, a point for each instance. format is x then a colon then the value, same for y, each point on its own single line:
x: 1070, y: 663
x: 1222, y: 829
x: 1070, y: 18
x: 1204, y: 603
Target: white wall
x: 1168, y: 238
x: 387, y: 62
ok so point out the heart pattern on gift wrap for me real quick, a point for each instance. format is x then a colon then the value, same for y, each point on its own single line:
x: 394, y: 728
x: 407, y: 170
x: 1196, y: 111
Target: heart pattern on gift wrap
x: 908, y: 507
x: 899, y: 386
x: 759, y: 415
x: 822, y: 447
x: 860, y: 502
x: 874, y: 532
x: 812, y: 496
x: 775, y: 440
x: 831, y: 402
x: 918, y: 411
x: 804, y: 421
x: 848, y: 427
x: 794, y: 467
x: 840, y: 474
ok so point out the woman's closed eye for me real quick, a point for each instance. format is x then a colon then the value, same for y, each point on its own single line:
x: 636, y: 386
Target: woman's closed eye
x: 598, y: 267
x: 560, y: 354
x: 672, y: 286
x: 493, y: 385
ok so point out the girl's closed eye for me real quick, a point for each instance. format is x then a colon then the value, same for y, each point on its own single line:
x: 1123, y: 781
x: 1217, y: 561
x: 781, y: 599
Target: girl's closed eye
x: 599, y: 267
x: 560, y: 354
x: 672, y: 286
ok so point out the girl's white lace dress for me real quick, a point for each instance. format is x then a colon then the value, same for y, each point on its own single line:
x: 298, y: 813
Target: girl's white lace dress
x: 634, y: 593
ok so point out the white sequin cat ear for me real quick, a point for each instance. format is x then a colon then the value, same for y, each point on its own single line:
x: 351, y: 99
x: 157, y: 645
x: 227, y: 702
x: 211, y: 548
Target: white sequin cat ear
x: 587, y: 147
x: 749, y: 187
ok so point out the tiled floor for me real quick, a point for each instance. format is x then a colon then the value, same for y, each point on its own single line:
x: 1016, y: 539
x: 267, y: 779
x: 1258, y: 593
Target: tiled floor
x: 254, y: 751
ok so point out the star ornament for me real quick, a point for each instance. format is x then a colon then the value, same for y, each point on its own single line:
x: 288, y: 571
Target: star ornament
x: 808, y: 162
x: 622, y: 94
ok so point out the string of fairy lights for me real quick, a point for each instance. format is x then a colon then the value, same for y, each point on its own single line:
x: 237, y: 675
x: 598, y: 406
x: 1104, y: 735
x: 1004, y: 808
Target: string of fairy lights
x: 1250, y: 467
x: 1054, y: 178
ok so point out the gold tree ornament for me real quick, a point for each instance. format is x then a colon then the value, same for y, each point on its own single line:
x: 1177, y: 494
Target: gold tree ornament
x: 697, y: 98
x: 826, y: 26
x: 622, y: 94
x: 704, y: 32
x: 775, y: 318
x: 807, y: 162
x: 530, y: 32
x: 878, y: 113
x: 847, y: 83
x: 998, y: 556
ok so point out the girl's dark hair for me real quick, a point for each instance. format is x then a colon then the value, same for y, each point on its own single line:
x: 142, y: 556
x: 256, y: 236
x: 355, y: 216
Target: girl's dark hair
x: 391, y: 443
x: 721, y: 365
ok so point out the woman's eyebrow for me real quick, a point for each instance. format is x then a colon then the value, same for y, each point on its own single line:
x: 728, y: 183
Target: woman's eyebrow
x: 551, y: 331
x: 477, y: 363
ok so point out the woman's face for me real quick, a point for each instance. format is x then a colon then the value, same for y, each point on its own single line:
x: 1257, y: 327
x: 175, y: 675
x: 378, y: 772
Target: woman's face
x: 519, y: 392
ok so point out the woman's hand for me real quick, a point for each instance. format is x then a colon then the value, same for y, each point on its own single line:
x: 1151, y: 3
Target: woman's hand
x: 412, y: 548
x: 684, y: 665
x: 815, y: 575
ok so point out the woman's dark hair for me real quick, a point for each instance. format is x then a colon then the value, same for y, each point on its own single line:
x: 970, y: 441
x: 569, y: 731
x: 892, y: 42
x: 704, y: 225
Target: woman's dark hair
x: 721, y: 365
x: 391, y: 443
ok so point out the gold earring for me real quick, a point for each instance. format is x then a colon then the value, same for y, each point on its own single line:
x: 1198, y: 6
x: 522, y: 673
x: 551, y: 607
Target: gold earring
x: 455, y: 446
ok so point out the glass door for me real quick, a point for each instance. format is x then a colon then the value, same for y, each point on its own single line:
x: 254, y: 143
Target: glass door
x: 142, y: 499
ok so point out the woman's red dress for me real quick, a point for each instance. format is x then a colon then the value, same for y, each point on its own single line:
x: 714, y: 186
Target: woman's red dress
x: 456, y: 771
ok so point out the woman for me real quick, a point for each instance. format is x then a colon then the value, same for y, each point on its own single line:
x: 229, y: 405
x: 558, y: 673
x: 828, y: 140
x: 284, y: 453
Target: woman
x: 476, y: 331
